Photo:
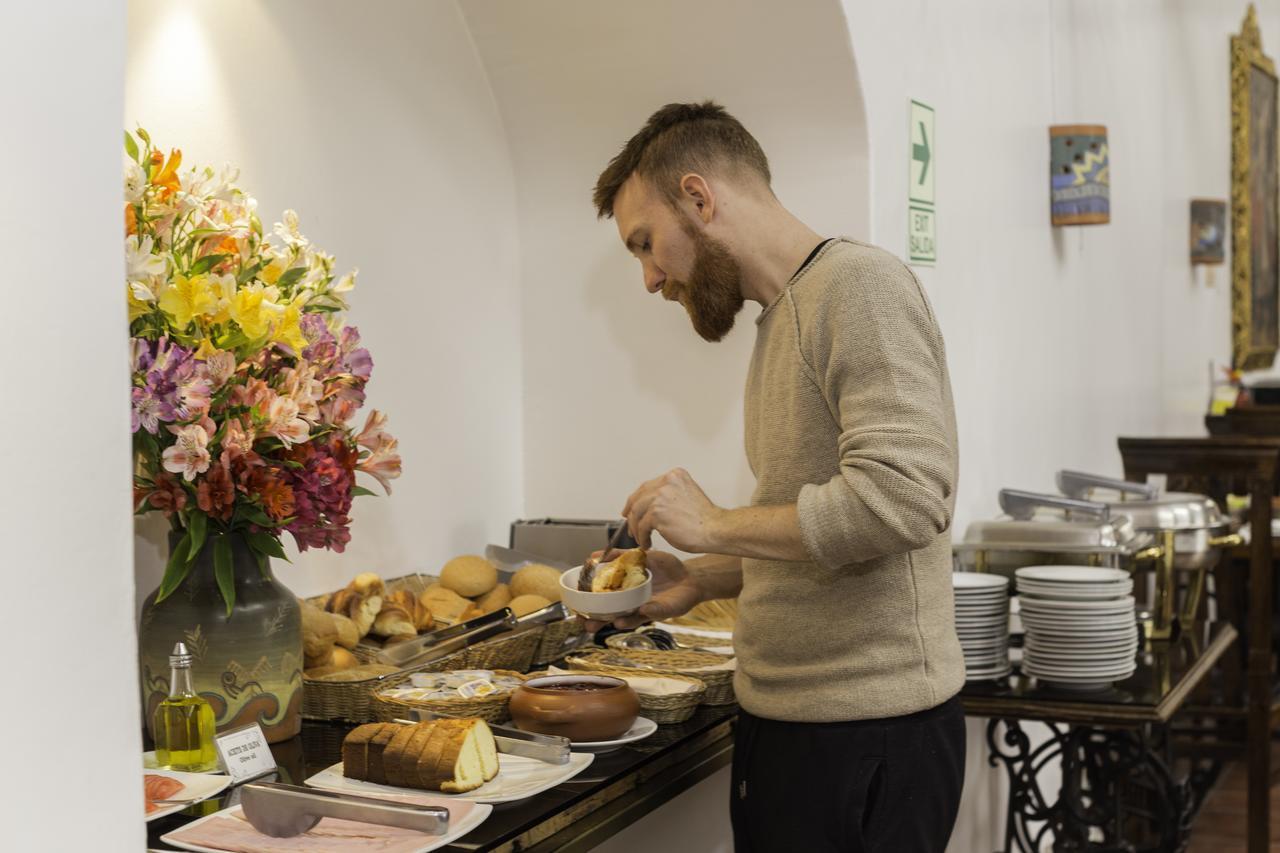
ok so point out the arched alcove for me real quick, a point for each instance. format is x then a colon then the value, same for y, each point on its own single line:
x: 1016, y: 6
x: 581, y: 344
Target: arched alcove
x: 573, y: 79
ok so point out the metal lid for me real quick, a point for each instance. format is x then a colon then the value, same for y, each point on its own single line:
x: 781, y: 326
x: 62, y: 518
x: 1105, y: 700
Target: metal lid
x: 1050, y: 523
x: 180, y: 657
x: 1149, y: 508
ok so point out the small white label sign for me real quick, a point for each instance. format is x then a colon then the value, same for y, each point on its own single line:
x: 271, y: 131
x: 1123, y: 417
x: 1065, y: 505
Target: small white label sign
x: 244, y: 753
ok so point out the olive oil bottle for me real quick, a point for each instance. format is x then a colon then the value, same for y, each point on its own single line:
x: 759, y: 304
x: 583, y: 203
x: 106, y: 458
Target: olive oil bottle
x: 184, y: 722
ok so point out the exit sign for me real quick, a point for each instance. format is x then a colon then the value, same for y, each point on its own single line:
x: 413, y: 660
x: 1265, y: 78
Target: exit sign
x: 922, y: 218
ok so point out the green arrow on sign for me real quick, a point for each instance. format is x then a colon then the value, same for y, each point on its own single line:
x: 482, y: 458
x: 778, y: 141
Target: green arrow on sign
x: 921, y: 152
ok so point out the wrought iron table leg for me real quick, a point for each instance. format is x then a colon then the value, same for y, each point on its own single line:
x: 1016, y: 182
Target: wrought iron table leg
x: 1117, y: 793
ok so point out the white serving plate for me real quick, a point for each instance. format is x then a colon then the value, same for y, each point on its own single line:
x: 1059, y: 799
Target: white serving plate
x: 1127, y: 646
x: 1071, y: 574
x: 978, y: 580
x: 1112, y: 671
x: 1079, y: 655
x: 457, y: 828
x: 640, y: 729
x: 1082, y: 593
x: 1108, y: 605
x: 1073, y: 617
x: 981, y: 621
x: 974, y: 646
x: 518, y: 778
x: 201, y: 786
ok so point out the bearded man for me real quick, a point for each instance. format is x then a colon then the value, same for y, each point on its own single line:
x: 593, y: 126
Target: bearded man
x: 850, y: 737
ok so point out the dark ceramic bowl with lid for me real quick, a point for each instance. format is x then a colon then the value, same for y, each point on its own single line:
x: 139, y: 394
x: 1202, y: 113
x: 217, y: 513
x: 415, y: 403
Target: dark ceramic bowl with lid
x: 582, y: 708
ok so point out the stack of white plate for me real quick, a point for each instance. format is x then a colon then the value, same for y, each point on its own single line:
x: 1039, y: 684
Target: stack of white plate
x: 982, y: 621
x: 1081, y: 630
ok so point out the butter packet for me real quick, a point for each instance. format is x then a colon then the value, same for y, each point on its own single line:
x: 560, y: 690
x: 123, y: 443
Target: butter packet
x: 477, y: 688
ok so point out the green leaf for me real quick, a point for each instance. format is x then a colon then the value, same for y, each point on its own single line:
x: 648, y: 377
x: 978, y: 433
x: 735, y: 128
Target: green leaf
x: 142, y: 134
x: 295, y: 465
x: 175, y: 571
x: 207, y: 263
x: 130, y: 147
x: 262, y: 564
x: 291, y: 277
x: 361, y: 490
x: 266, y: 544
x: 197, y: 524
x: 257, y: 516
x: 249, y: 272
x: 223, y: 572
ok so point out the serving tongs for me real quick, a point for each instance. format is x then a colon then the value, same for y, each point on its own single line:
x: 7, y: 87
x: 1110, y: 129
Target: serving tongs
x: 436, y: 644
x: 552, y: 749
x: 283, y: 811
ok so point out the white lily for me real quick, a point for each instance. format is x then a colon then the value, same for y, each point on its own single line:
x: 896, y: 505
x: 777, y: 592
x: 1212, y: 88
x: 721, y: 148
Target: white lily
x: 135, y: 182
x: 143, y: 269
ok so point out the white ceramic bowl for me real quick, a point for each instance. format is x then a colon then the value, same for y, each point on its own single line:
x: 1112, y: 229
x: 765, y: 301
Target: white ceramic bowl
x: 603, y: 606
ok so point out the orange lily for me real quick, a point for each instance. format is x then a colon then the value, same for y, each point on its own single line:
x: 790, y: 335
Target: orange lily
x: 165, y: 174
x: 130, y: 220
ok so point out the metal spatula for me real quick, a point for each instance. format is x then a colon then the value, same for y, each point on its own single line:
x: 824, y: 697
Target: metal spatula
x: 283, y: 811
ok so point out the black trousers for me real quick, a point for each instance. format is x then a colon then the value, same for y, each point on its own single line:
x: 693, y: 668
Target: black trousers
x: 867, y: 786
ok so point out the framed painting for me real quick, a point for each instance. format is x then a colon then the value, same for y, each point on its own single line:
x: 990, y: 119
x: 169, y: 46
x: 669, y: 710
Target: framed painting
x: 1255, y: 217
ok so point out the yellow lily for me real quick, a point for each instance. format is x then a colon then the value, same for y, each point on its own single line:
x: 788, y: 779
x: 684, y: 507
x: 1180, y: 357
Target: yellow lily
x: 137, y: 308
x: 289, y: 330
x: 185, y: 298
x: 250, y: 311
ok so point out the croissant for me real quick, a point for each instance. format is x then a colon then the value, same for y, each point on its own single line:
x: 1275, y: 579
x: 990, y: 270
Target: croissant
x: 360, y: 601
x: 401, y: 614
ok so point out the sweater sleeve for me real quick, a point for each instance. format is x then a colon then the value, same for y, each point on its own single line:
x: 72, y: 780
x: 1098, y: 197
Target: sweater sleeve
x: 876, y: 354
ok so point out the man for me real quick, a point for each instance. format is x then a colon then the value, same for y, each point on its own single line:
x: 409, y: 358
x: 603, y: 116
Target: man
x: 850, y: 737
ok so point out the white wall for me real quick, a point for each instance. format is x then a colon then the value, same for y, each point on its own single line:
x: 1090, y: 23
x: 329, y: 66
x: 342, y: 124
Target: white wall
x: 70, y: 707
x: 380, y: 130
x: 617, y: 387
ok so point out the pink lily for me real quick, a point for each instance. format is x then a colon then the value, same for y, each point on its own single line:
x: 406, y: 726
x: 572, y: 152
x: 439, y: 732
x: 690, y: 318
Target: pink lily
x: 189, y: 456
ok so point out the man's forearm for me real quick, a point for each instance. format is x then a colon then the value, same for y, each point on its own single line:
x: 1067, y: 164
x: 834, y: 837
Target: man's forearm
x: 717, y: 575
x: 759, y: 532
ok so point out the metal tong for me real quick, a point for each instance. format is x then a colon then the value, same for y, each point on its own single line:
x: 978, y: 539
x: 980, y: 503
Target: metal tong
x: 613, y: 543
x: 552, y: 749
x: 283, y: 811
x: 446, y: 641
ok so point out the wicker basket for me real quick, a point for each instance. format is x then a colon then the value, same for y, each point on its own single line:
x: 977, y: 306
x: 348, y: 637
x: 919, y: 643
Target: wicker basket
x: 719, y: 681
x: 663, y: 710
x: 491, y: 708
x: 513, y: 651
x: 559, y: 639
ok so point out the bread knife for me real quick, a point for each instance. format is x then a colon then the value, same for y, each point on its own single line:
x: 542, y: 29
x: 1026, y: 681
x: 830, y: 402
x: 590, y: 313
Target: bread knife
x: 283, y: 811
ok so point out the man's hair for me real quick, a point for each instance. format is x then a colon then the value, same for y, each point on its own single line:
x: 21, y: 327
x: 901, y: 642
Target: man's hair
x: 676, y: 140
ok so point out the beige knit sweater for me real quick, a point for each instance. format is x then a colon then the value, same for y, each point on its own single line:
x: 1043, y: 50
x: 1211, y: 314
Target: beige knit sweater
x: 849, y: 414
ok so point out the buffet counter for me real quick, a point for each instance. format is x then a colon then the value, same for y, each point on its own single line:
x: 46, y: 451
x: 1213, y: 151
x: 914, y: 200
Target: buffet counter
x: 617, y: 789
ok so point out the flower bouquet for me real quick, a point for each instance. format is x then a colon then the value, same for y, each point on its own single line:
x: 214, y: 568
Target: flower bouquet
x: 245, y: 377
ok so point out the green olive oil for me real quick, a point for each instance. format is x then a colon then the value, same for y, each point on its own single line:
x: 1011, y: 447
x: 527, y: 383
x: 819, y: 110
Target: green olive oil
x: 184, y: 724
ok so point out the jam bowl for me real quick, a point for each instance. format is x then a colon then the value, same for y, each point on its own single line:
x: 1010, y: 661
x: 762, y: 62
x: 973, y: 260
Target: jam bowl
x: 582, y: 708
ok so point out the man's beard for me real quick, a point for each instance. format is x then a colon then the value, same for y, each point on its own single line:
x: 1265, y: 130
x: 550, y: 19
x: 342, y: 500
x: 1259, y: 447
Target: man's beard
x: 713, y: 293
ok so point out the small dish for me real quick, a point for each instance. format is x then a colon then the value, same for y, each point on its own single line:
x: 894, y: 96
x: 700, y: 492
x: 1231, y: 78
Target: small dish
x: 195, y: 787
x: 640, y: 729
x: 603, y: 606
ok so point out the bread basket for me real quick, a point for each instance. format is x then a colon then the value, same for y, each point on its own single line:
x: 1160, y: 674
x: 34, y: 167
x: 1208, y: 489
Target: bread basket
x: 491, y: 708
x: 719, y: 682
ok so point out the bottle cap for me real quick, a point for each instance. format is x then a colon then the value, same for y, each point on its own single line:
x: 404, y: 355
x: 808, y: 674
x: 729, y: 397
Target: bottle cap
x: 180, y: 657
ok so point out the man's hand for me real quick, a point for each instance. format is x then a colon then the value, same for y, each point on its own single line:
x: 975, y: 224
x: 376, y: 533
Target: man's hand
x: 675, y: 506
x: 674, y: 591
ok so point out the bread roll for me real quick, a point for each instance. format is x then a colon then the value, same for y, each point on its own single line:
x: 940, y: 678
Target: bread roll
x: 446, y: 606
x: 496, y: 599
x: 358, y: 673
x: 318, y: 631
x: 333, y: 659
x: 348, y: 636
x: 522, y: 605
x: 469, y: 576
x: 537, y: 579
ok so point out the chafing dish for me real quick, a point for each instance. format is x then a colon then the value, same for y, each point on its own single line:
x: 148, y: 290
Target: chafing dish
x: 1201, y: 532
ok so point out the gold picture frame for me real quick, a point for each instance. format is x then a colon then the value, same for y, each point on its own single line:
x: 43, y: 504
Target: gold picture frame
x: 1255, y: 201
